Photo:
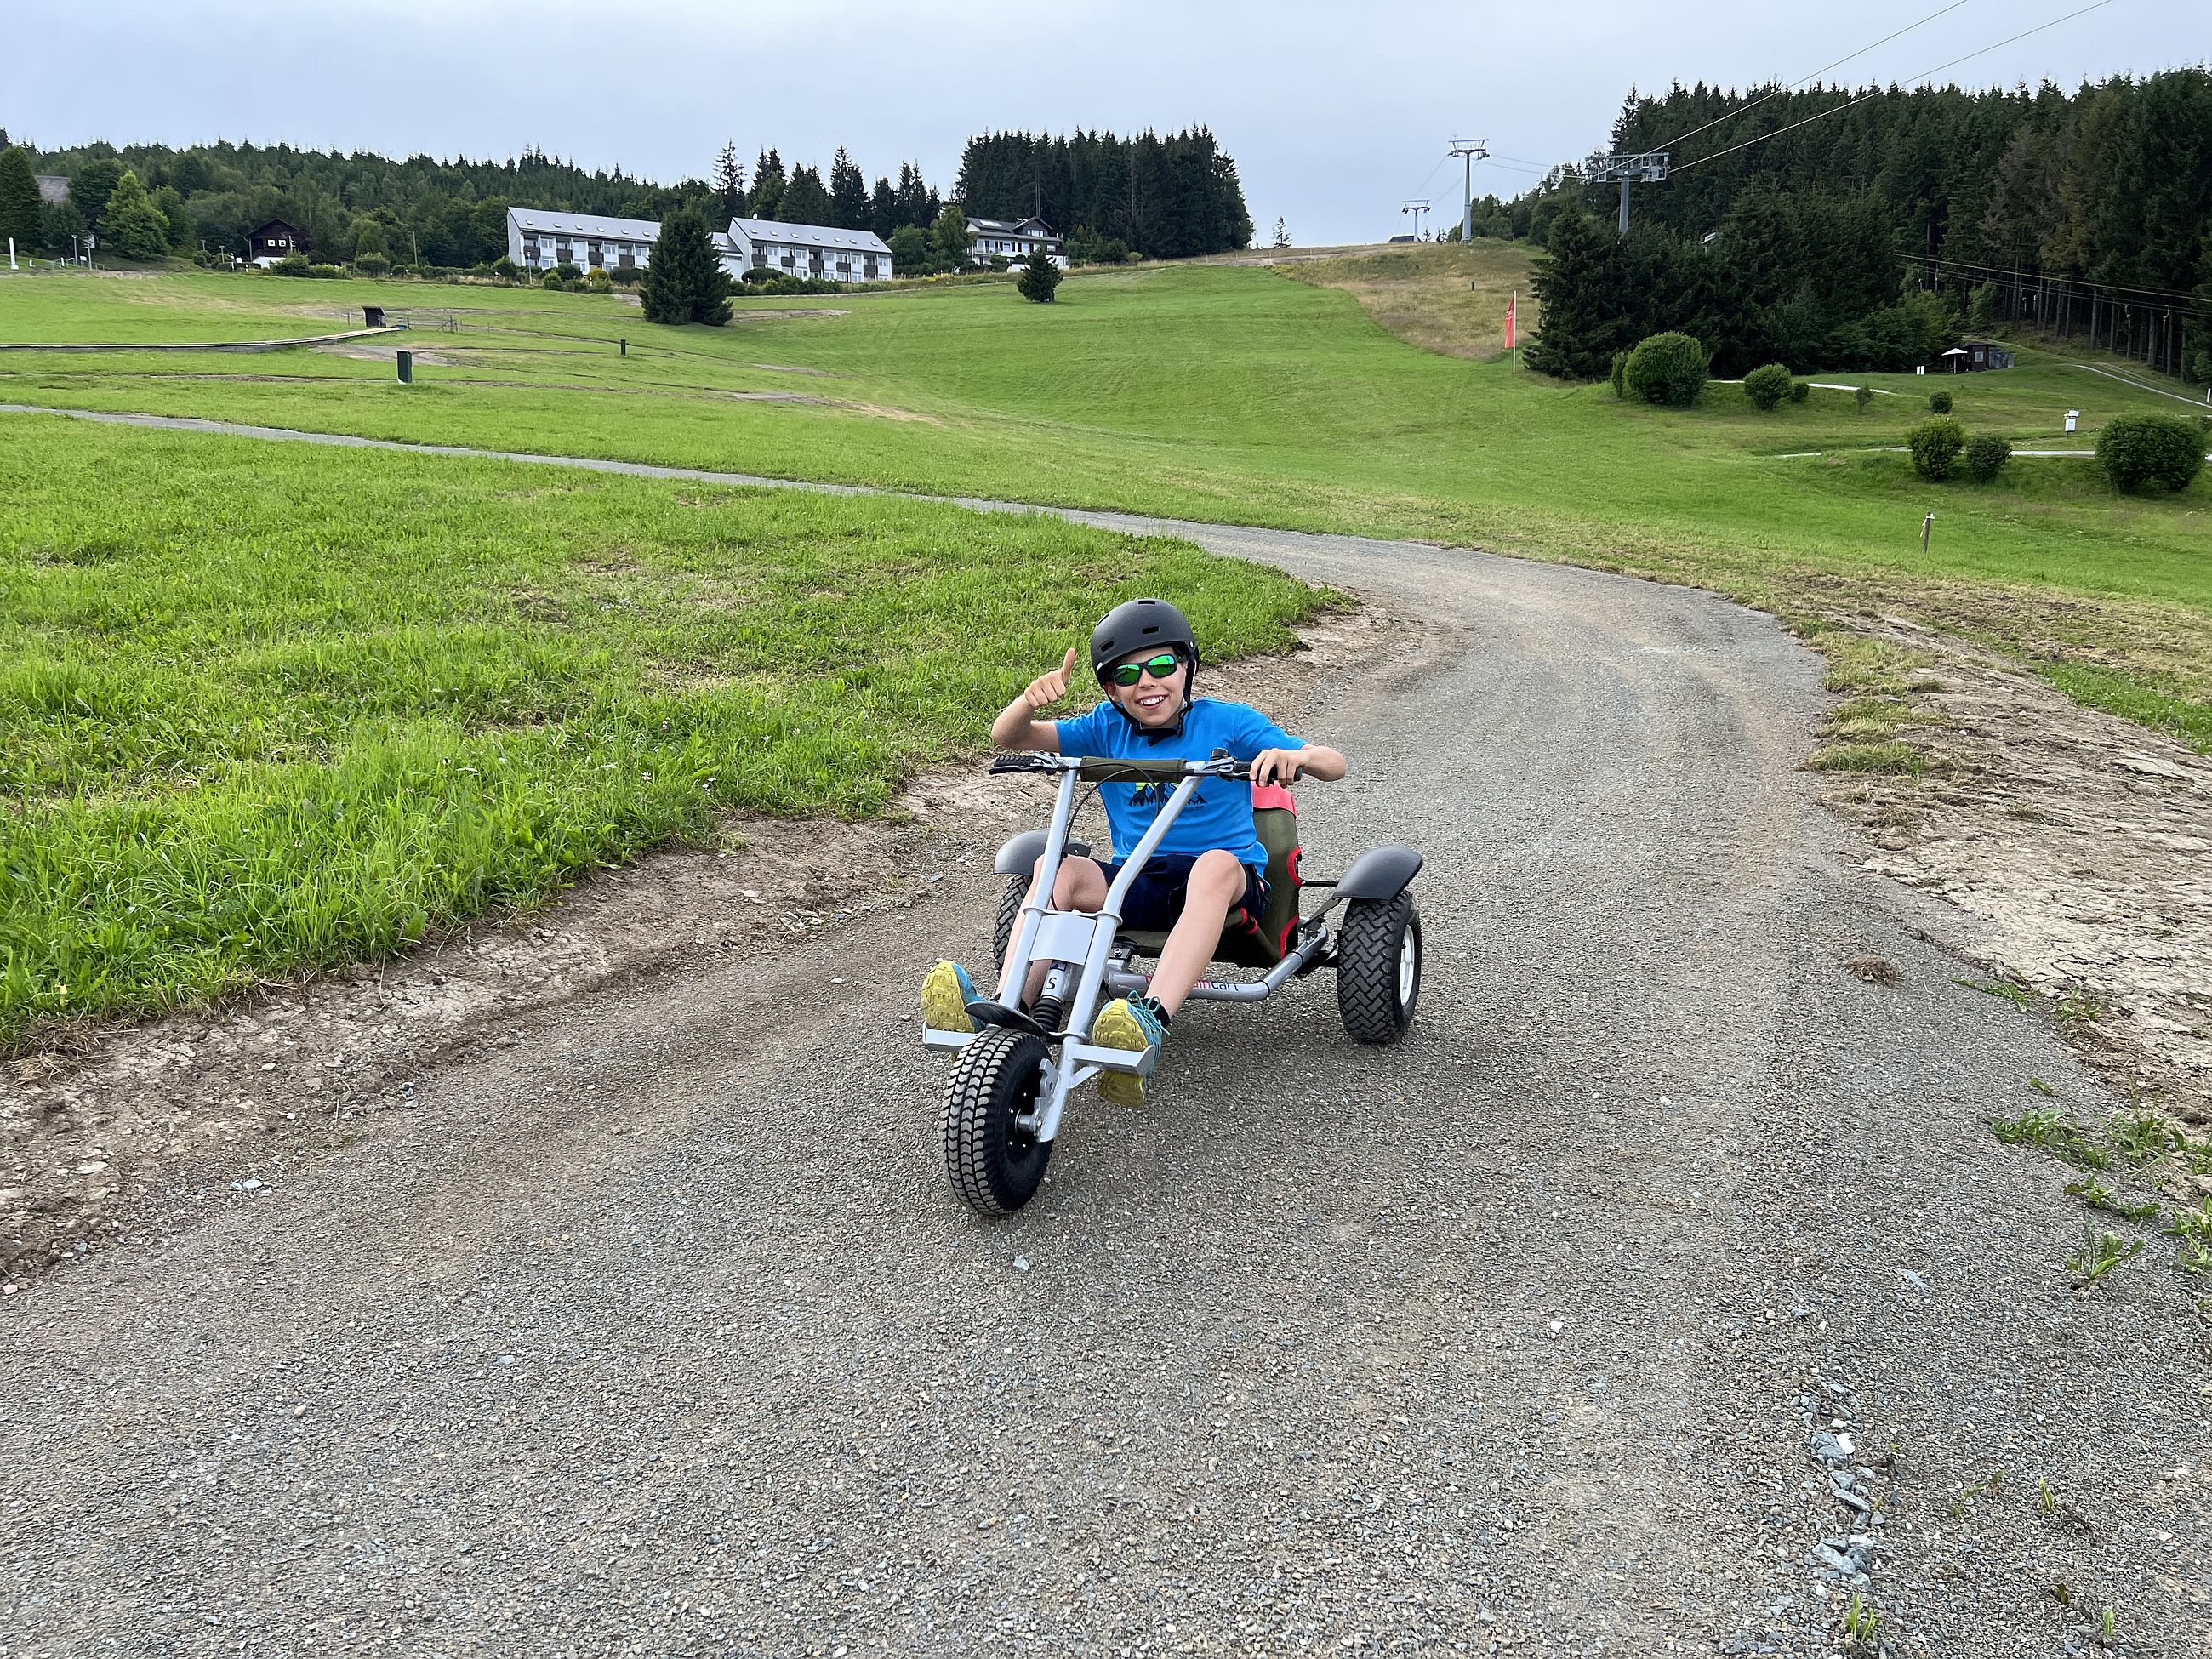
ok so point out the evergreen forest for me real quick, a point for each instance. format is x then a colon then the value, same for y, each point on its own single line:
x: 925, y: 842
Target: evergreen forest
x: 1836, y: 229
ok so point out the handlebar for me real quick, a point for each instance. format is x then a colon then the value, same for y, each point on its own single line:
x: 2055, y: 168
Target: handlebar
x: 1105, y: 768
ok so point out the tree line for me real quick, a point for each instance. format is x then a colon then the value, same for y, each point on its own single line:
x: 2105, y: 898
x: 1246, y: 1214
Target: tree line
x: 416, y: 212
x: 1895, y: 219
x: 1170, y: 198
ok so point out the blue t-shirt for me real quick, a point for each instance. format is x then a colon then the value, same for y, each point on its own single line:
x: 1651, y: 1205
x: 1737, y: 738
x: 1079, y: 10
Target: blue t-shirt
x: 1219, y: 815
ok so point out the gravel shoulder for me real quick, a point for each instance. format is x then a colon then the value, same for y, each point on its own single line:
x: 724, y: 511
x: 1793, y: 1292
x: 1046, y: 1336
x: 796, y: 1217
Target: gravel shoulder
x: 647, y: 1322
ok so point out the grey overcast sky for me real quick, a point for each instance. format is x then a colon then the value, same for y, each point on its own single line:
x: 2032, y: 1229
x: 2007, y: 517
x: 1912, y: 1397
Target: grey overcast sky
x: 1335, y: 113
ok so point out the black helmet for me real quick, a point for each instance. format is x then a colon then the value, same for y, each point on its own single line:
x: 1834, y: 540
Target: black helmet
x: 1139, y: 625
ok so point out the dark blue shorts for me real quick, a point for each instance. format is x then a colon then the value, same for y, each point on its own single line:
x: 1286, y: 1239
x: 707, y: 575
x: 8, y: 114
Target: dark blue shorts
x: 1156, y: 897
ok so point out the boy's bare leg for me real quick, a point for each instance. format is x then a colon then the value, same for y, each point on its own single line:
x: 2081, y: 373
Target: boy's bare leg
x: 1081, y: 886
x: 1217, y: 882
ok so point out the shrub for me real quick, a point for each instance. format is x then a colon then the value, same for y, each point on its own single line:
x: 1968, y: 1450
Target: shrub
x: 371, y: 264
x: 625, y: 276
x: 1936, y: 443
x: 1799, y: 390
x: 1862, y: 396
x: 551, y: 280
x: 1986, y: 454
x: 2139, y: 449
x: 1620, y: 374
x: 1766, y: 386
x: 568, y: 273
x: 505, y: 269
x: 1668, y: 368
x: 1939, y: 402
x: 598, y: 282
x: 292, y: 265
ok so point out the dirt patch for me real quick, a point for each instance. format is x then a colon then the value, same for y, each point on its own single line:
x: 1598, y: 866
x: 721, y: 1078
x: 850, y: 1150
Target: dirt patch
x: 2083, y: 839
x: 131, y: 1126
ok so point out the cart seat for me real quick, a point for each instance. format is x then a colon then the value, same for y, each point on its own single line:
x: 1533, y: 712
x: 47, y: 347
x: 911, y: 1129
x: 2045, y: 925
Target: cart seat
x: 1249, y: 941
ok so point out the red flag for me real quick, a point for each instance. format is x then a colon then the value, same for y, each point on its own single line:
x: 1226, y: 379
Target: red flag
x: 1512, y: 306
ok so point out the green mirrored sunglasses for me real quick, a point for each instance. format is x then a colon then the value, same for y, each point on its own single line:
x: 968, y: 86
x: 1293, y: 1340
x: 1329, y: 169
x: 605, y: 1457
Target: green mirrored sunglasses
x: 1159, y: 667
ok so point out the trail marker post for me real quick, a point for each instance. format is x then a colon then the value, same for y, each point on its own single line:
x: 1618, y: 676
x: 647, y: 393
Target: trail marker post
x: 1927, y: 530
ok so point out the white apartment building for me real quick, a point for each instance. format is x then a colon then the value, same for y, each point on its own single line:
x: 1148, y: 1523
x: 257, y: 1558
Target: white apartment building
x: 539, y: 239
x: 818, y: 251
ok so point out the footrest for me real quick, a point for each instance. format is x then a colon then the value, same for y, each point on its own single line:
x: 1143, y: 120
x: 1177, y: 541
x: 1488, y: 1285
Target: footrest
x: 1139, y: 1061
x: 952, y: 1041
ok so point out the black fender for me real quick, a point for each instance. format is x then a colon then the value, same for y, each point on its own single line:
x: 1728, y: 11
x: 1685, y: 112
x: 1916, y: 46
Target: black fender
x: 1380, y: 872
x: 1018, y: 857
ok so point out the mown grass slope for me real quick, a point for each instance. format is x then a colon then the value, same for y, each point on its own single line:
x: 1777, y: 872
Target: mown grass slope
x: 1217, y: 391
x: 265, y: 710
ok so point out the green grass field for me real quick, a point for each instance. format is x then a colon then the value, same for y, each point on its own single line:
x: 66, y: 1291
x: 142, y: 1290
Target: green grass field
x: 273, y: 708
x: 264, y: 711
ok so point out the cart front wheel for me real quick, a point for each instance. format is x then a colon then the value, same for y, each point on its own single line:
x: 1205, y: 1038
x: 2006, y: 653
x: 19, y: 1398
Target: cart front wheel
x: 1378, y: 967
x: 995, y: 1163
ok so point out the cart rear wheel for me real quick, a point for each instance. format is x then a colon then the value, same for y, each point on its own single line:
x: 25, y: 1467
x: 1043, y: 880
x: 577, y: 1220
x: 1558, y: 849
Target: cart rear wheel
x: 1378, y: 967
x: 993, y: 1162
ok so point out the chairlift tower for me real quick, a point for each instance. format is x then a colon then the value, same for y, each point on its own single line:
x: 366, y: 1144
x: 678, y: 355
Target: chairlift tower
x: 1417, y: 209
x: 1650, y: 166
x: 1474, y: 150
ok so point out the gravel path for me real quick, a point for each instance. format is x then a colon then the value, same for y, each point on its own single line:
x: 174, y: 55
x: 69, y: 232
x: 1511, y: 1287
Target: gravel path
x: 659, y: 1332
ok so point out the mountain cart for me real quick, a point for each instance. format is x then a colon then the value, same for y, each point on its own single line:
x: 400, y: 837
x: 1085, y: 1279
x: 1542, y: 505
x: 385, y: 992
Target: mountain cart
x: 1012, y: 1074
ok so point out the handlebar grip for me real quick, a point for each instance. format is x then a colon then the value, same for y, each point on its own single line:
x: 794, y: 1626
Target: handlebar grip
x: 1103, y: 770
x: 1021, y: 764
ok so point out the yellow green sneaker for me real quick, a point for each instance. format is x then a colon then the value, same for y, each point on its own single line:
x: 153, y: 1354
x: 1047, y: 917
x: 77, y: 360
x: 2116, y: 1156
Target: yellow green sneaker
x: 946, y: 991
x: 1128, y: 1023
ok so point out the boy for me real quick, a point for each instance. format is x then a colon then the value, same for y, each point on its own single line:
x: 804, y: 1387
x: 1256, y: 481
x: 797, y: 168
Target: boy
x: 1145, y: 656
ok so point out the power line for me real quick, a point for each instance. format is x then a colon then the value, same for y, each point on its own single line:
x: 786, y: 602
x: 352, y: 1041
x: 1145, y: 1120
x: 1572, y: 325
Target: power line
x: 2025, y: 275
x: 1809, y: 79
x: 1838, y: 109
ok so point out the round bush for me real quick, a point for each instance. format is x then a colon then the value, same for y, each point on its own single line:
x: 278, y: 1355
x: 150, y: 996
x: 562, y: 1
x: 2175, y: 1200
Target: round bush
x: 1936, y: 443
x: 551, y: 279
x: 1986, y: 454
x: 1668, y: 368
x: 1799, y: 390
x: 1940, y: 402
x: 371, y: 264
x: 598, y: 282
x: 1767, y: 386
x: 2136, y: 450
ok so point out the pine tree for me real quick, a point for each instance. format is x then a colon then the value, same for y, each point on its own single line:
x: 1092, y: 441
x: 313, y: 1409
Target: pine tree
x: 1282, y: 236
x: 684, y: 282
x: 730, y: 179
x: 848, y: 193
x: 805, y: 201
x: 883, y: 210
x: 917, y: 201
x: 132, y: 225
x: 1039, y: 278
x: 1580, y: 292
x: 23, y: 214
x: 767, y: 185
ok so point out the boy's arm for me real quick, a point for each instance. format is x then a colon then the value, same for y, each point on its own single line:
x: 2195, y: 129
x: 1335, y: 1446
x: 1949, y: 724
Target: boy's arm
x: 1017, y: 725
x: 1285, y: 766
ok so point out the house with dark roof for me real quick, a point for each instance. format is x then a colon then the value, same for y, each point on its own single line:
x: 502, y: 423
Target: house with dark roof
x: 1013, y: 240
x: 267, y: 243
